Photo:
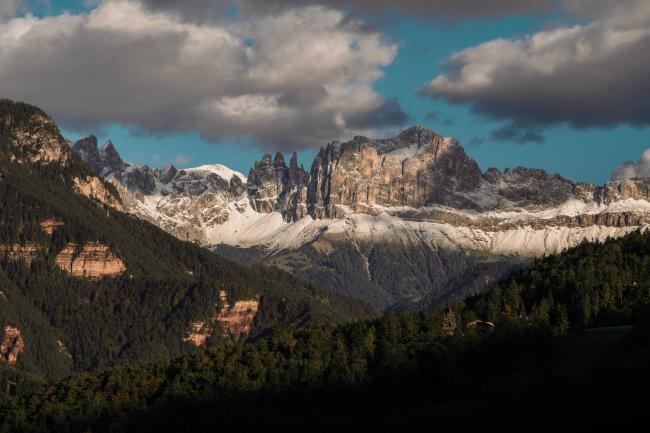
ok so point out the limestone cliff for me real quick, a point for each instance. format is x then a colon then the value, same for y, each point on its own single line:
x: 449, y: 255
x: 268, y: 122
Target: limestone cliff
x: 237, y: 319
x: 93, y: 260
x: 416, y: 168
x: 95, y: 189
x: 103, y: 159
x: 234, y: 321
x: 50, y: 224
x: 27, y: 252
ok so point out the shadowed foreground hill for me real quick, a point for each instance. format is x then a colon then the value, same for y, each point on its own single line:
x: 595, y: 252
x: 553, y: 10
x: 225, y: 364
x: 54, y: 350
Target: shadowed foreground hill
x: 397, y: 373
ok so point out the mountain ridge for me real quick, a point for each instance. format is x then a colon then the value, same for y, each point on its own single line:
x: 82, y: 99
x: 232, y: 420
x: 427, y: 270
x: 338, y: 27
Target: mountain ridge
x: 375, y: 202
x: 348, y: 178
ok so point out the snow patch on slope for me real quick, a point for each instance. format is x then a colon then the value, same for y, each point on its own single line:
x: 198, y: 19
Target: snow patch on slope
x: 222, y: 171
x: 275, y: 234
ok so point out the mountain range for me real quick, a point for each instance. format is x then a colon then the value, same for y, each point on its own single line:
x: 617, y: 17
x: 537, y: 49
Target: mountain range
x: 404, y: 222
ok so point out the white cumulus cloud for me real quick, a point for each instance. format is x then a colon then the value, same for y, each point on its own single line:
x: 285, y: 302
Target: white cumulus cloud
x: 292, y: 79
x: 591, y: 74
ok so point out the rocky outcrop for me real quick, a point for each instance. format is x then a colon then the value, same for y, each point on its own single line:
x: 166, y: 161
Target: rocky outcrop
x: 416, y: 168
x: 50, y: 224
x: 62, y: 349
x: 12, y: 345
x: 94, y: 260
x: 199, y: 332
x: 527, y: 188
x: 234, y: 321
x: 95, y: 189
x: 629, y: 189
x: 32, y: 135
x: 27, y: 252
x: 237, y: 319
x: 274, y: 186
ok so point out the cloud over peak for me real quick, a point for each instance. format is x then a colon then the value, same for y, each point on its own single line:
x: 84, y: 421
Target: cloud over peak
x: 634, y: 169
x: 292, y: 79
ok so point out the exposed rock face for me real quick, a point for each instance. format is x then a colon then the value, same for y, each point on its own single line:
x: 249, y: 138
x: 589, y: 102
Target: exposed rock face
x: 50, y: 224
x: 629, y: 189
x: 274, y: 186
x: 93, y: 261
x: 235, y: 320
x: 33, y: 134
x: 416, y: 168
x: 199, y: 332
x: 12, y: 345
x: 62, y: 349
x: 27, y: 252
x: 93, y: 188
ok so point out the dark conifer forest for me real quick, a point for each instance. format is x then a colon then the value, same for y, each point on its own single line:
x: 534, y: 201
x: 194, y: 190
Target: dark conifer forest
x: 543, y: 356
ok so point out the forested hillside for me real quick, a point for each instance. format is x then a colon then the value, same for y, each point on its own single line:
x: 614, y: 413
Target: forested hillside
x: 72, y: 311
x: 502, y: 359
x: 589, y: 285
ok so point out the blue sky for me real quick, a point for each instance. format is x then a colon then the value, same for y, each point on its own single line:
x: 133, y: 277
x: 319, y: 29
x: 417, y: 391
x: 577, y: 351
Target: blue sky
x: 587, y: 154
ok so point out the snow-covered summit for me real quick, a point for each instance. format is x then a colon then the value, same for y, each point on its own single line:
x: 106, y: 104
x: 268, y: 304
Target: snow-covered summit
x: 220, y: 170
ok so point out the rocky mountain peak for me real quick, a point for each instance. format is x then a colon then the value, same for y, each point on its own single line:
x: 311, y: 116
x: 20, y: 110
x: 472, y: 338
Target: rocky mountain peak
x: 274, y: 186
x: 86, y: 145
x: 105, y: 159
x: 278, y: 160
x: 293, y: 162
x: 167, y: 173
x: 417, y: 167
x: 32, y: 135
x: 111, y: 158
x: 418, y: 135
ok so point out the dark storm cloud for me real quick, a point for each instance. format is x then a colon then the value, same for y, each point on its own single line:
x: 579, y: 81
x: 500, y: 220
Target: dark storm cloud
x: 390, y: 113
x: 518, y: 133
x: 435, y: 117
x: 449, y: 8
